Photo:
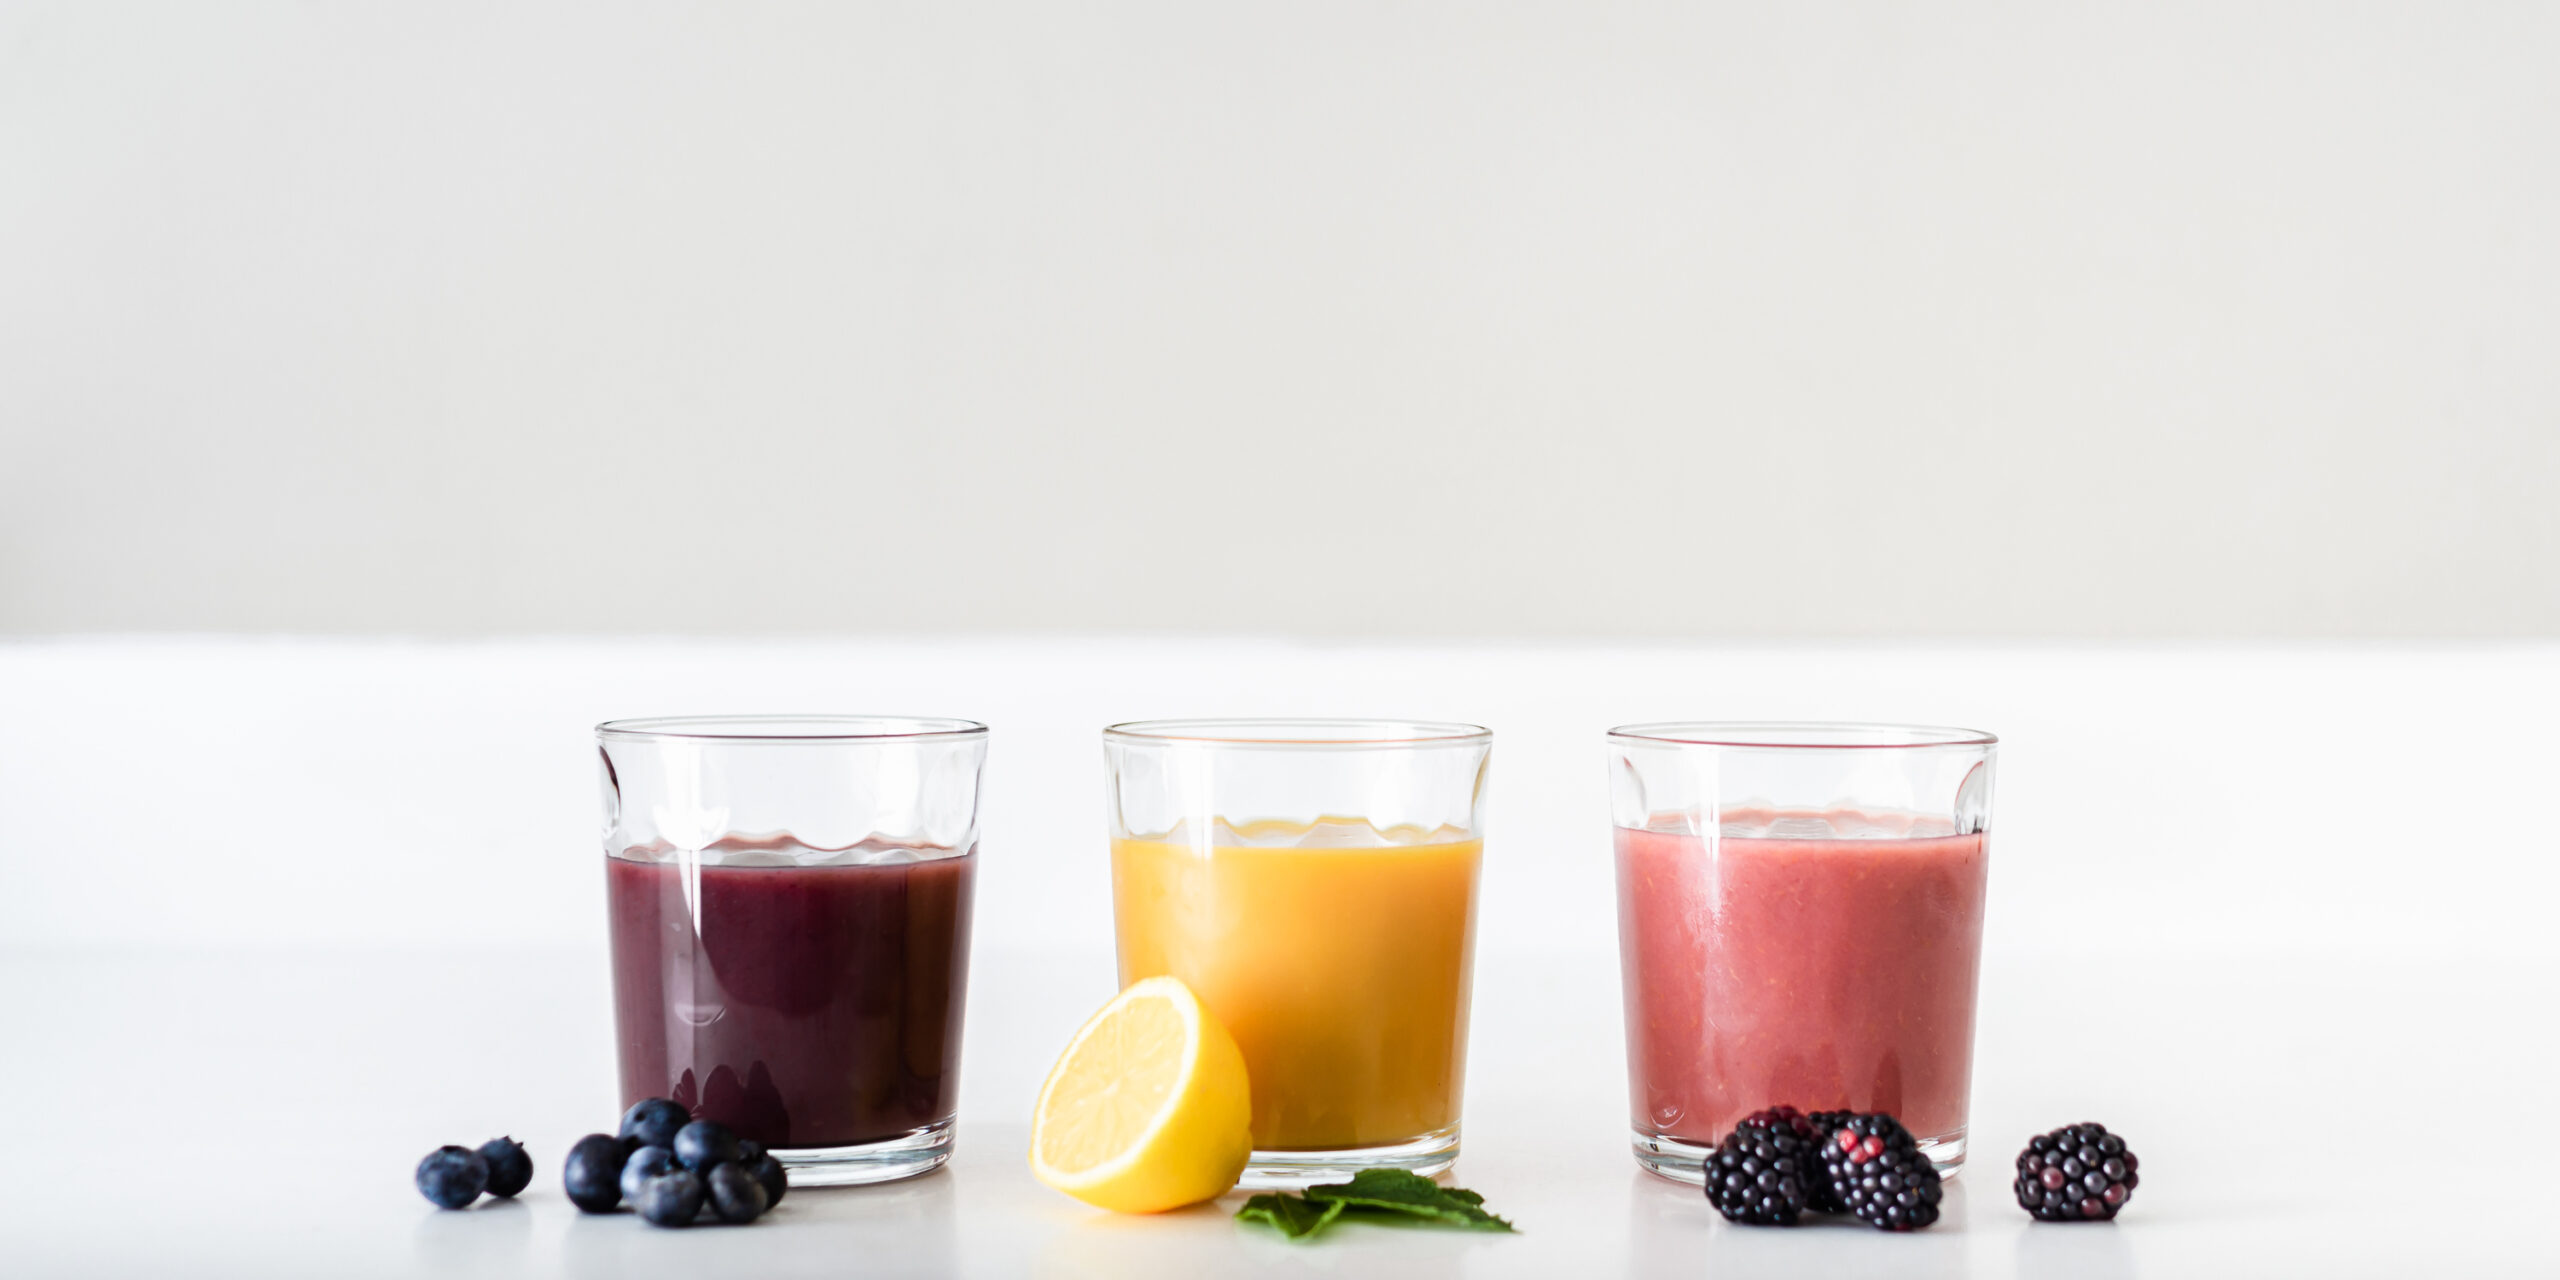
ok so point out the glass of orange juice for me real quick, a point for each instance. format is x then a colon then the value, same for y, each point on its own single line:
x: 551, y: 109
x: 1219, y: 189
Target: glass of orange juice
x: 1315, y: 882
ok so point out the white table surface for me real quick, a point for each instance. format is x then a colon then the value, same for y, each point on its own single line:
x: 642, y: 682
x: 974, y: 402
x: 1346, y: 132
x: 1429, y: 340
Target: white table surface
x: 209, y: 1113
x: 278, y: 917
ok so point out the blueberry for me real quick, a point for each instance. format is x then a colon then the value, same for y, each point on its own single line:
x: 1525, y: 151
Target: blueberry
x: 592, y: 1175
x: 671, y: 1199
x: 654, y: 1122
x: 510, y: 1169
x: 768, y: 1173
x: 748, y: 1150
x: 735, y: 1194
x: 644, y: 1164
x: 705, y: 1143
x: 452, y: 1176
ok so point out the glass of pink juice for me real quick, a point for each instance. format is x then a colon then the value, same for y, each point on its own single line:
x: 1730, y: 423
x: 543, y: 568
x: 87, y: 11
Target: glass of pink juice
x: 788, y: 901
x: 1799, y: 924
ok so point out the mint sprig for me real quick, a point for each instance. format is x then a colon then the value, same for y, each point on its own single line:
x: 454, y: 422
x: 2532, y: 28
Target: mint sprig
x: 1290, y: 1215
x: 1373, y: 1193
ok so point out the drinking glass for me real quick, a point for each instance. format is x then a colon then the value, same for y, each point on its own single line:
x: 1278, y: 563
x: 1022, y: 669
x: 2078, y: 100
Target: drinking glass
x: 1799, y: 924
x: 789, y: 907
x: 1315, y: 882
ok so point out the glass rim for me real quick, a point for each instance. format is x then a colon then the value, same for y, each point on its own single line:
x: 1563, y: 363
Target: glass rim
x: 792, y: 728
x: 1801, y: 735
x: 1319, y: 733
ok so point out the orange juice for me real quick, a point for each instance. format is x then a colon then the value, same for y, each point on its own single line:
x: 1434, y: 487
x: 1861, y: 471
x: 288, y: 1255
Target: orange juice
x: 1341, y: 971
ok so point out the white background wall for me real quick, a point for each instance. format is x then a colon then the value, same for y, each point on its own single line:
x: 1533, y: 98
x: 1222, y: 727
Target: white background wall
x: 1337, y: 319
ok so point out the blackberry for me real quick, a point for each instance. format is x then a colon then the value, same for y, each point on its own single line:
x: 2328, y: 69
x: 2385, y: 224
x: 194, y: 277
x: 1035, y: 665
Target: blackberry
x: 2077, y: 1173
x: 1876, y: 1169
x: 1816, y: 1129
x: 1762, y: 1171
x: 1784, y: 1118
x: 1820, y: 1195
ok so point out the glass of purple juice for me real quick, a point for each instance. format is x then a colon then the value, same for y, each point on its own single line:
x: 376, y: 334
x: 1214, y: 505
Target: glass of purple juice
x: 788, y: 899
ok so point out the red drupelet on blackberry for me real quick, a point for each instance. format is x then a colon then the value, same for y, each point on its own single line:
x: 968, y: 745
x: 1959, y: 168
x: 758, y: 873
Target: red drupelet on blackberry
x: 1762, y: 1172
x: 2077, y: 1173
x: 1876, y: 1169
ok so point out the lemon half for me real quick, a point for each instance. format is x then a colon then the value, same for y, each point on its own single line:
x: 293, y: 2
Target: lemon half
x: 1148, y: 1109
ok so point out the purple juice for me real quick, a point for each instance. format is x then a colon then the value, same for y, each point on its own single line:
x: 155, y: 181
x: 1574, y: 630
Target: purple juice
x: 804, y: 999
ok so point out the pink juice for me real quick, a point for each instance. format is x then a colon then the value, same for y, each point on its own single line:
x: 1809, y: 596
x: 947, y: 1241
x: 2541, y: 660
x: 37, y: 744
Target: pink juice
x: 801, y: 1005
x: 1822, y: 973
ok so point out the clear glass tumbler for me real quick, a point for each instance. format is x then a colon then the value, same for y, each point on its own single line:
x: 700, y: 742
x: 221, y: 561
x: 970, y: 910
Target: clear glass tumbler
x: 1315, y: 882
x: 789, y: 903
x: 1800, y: 924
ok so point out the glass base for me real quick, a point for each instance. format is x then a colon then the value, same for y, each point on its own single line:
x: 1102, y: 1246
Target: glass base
x: 904, y: 1156
x: 1679, y: 1161
x: 1430, y: 1154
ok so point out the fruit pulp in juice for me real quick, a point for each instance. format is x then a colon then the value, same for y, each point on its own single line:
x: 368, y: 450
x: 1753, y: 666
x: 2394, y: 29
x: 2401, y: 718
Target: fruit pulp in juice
x: 1342, y: 971
x: 803, y: 1005
x: 1819, y: 973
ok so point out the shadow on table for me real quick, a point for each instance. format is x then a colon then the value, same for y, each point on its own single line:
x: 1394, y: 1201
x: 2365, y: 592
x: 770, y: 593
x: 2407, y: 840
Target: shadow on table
x: 1205, y: 1240
x: 1675, y: 1231
x: 2080, y: 1250
x: 891, y: 1229
x: 487, y: 1237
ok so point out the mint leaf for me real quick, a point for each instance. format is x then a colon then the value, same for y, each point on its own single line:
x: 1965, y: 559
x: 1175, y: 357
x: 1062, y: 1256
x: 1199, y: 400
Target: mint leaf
x: 1402, y: 1191
x: 1289, y: 1215
x: 1371, y: 1193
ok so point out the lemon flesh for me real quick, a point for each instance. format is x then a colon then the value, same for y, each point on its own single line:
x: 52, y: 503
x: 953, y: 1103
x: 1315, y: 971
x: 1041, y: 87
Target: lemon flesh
x: 1148, y: 1109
